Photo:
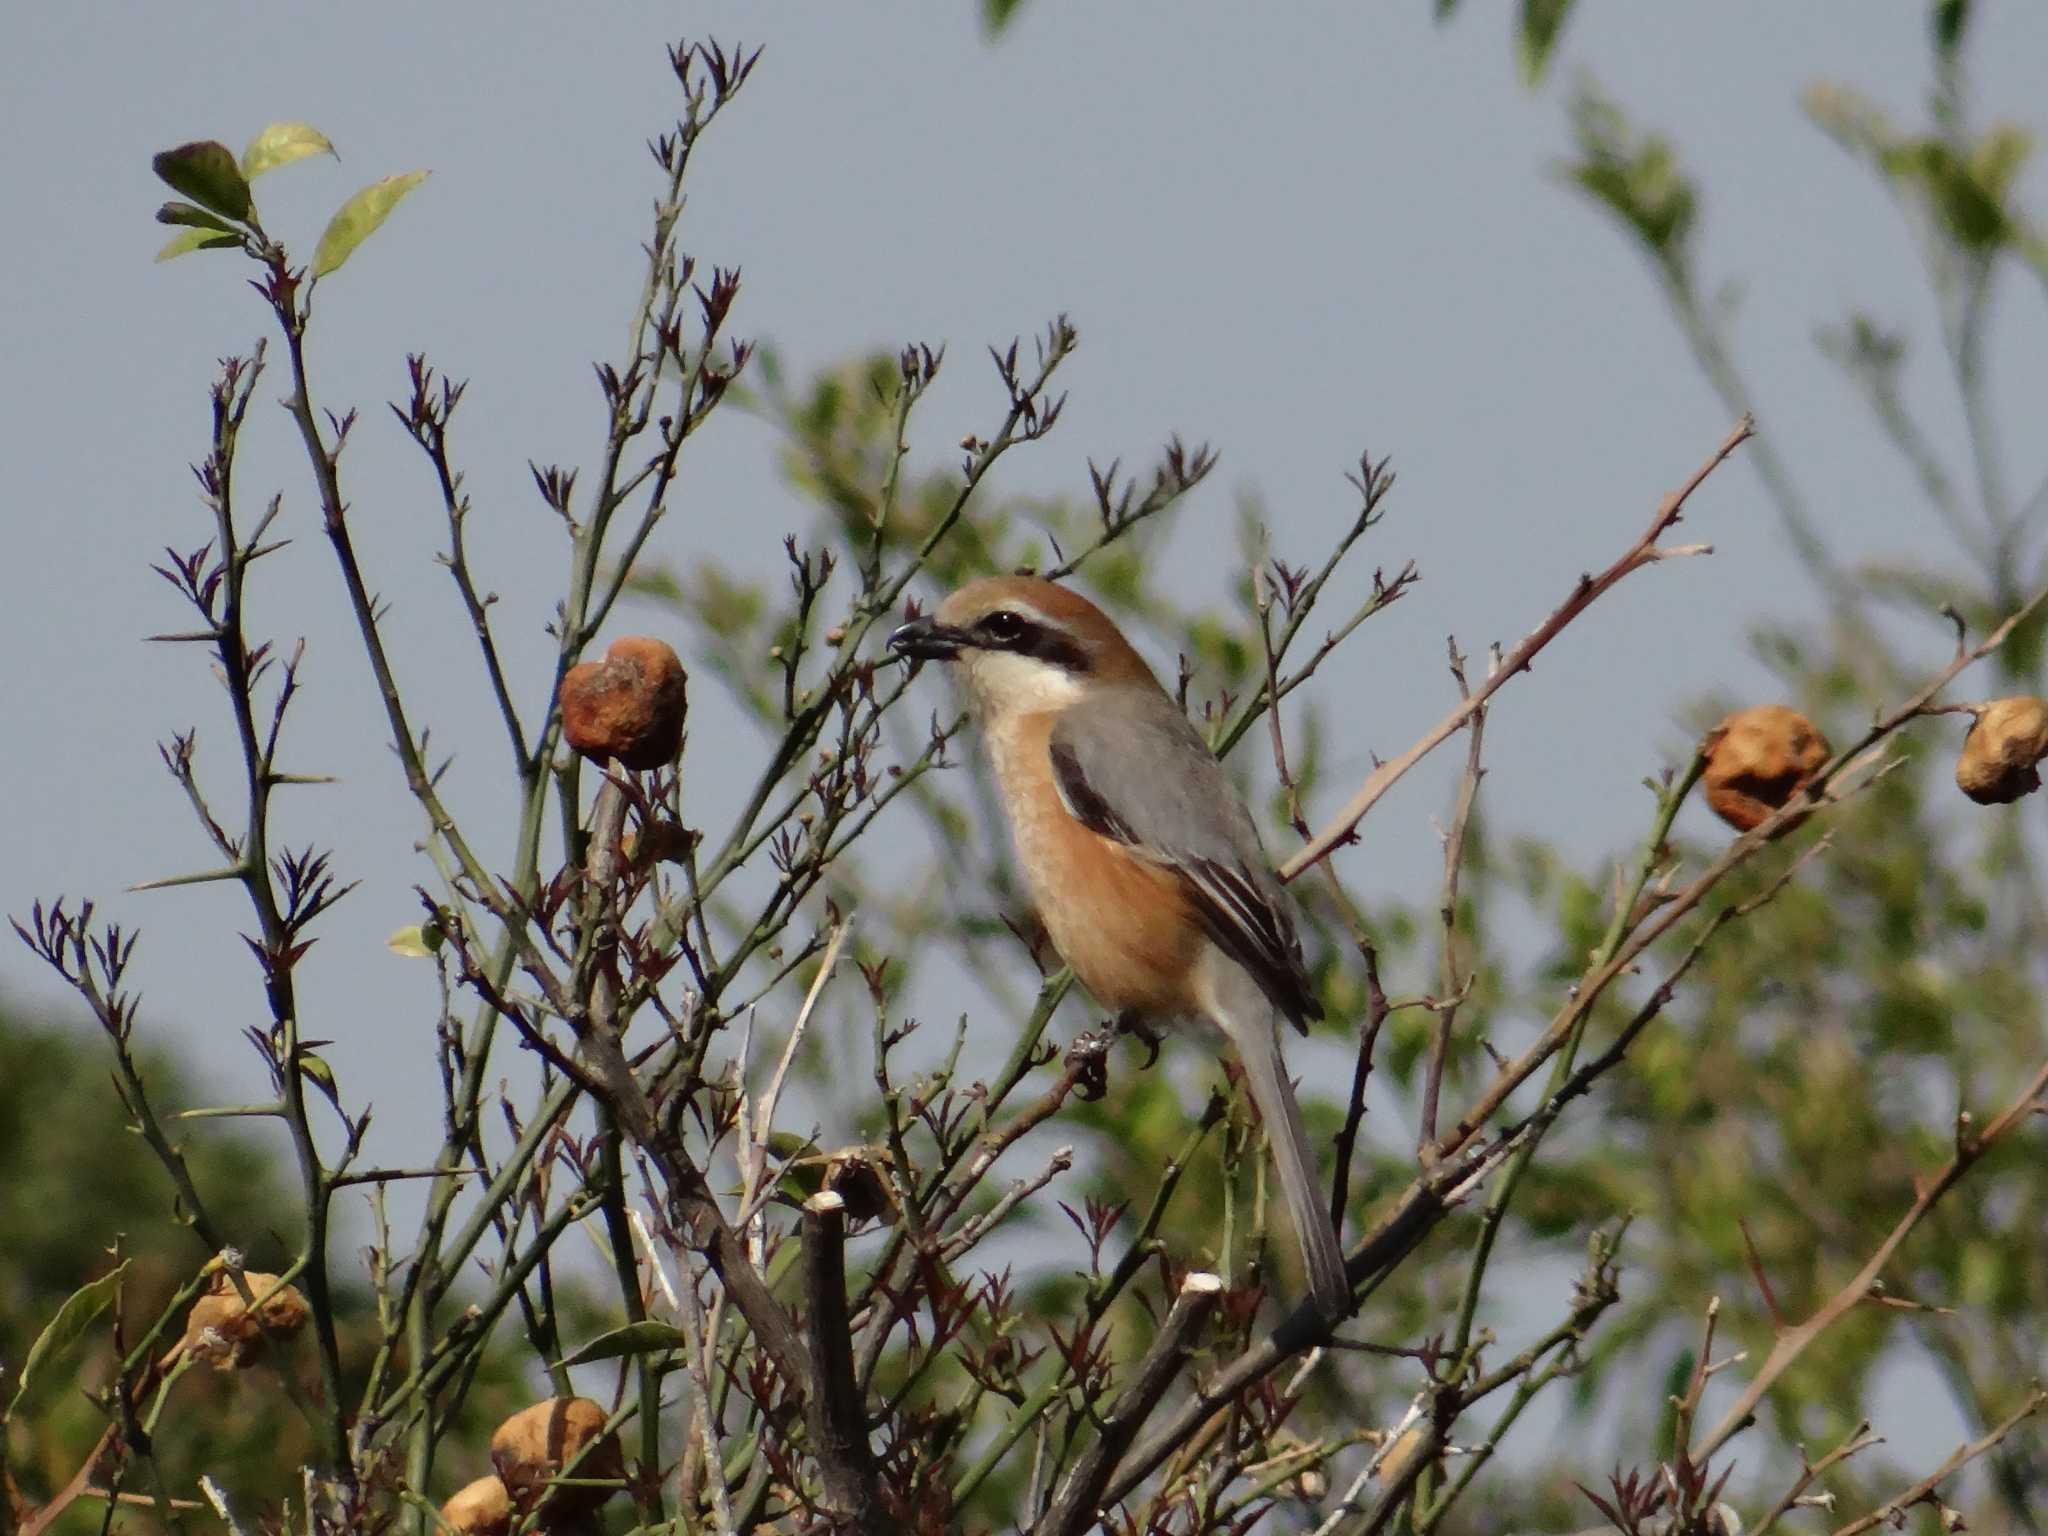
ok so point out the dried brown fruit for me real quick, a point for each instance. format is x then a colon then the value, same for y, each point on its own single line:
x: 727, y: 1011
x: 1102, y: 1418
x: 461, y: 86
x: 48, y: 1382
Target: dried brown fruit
x: 221, y: 1329
x: 2008, y: 737
x: 861, y: 1176
x: 538, y: 1443
x: 630, y: 706
x: 484, y: 1508
x: 1757, y: 759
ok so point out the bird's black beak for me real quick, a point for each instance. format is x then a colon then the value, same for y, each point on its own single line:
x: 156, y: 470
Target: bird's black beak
x: 926, y: 640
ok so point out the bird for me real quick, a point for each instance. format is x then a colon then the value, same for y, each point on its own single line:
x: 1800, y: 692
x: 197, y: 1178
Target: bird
x: 1137, y: 851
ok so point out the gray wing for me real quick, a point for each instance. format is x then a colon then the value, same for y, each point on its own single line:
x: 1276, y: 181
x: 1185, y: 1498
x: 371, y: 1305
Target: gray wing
x: 1143, y: 777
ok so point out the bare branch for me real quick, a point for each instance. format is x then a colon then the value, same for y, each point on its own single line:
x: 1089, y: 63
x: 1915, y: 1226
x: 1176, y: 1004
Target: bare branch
x: 1859, y: 1439
x: 1962, y: 1456
x: 838, y: 1422
x: 1451, y: 989
x: 1590, y: 588
x: 1794, y: 1342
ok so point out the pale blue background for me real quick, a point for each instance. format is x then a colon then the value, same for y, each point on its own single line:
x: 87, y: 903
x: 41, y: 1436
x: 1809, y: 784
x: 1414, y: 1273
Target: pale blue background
x: 1295, y: 232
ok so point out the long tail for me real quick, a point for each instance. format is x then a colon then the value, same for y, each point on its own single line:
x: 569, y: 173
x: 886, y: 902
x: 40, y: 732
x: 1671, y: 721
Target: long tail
x: 1258, y: 1047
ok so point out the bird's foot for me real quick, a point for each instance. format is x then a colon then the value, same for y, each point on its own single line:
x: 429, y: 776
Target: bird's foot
x: 1128, y: 1023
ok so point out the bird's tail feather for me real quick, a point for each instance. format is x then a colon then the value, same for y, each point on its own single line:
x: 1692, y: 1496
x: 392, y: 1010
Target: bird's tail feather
x: 1258, y: 1047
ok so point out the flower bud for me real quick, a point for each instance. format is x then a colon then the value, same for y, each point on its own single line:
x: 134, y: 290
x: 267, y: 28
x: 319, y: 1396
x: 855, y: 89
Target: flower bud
x: 2008, y: 737
x: 1756, y: 761
x: 630, y: 706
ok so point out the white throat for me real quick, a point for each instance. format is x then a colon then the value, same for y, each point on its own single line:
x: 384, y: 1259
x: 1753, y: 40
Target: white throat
x: 999, y: 682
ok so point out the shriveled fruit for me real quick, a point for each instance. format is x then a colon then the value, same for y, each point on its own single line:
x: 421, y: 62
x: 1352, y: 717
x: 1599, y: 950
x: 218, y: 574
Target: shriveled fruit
x: 484, y: 1508
x: 538, y: 1443
x: 859, y: 1175
x: 1756, y: 761
x: 630, y: 706
x: 2008, y: 737
x: 222, y: 1329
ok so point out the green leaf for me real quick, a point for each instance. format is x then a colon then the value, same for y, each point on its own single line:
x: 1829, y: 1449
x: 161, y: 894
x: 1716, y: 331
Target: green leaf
x: 205, y: 171
x: 1542, y: 24
x: 281, y: 144
x: 1956, y: 194
x: 358, y: 219
x: 1676, y: 1379
x: 1951, y: 21
x: 644, y: 1338
x: 996, y: 15
x: 1636, y: 175
x: 80, y: 1311
x: 197, y: 240
x: 194, y: 215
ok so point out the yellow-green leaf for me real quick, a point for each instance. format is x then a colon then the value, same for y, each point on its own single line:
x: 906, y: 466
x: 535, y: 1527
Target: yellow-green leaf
x: 643, y: 1338
x: 80, y: 1310
x: 281, y: 144
x: 316, y: 1071
x: 205, y: 171
x: 358, y: 219
x: 197, y: 240
x: 411, y: 942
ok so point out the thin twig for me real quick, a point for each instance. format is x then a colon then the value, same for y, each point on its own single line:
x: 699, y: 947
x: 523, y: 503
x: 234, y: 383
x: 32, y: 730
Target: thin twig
x: 702, y: 1358
x: 1450, y: 988
x: 1080, y: 1500
x: 1794, y: 1342
x: 764, y: 1115
x: 1589, y: 588
x: 1961, y: 1457
x: 1376, y: 1012
x: 1858, y: 1439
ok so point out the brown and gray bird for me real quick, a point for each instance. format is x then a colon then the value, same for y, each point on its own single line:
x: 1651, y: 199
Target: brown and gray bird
x: 1140, y: 857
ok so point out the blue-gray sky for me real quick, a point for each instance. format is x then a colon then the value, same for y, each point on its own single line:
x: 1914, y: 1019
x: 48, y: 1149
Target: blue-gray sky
x: 1292, y: 232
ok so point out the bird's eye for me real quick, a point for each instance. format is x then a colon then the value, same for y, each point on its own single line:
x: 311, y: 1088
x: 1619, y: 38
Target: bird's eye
x: 1003, y: 627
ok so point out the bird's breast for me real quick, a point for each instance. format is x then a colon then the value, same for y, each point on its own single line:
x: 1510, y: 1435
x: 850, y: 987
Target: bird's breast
x: 1122, y: 922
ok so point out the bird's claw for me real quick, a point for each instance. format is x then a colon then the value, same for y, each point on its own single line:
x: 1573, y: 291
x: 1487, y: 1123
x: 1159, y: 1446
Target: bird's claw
x: 1131, y: 1024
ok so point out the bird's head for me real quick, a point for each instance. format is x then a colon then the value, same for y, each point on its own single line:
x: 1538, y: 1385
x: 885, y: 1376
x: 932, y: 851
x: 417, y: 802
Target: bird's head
x: 1022, y: 644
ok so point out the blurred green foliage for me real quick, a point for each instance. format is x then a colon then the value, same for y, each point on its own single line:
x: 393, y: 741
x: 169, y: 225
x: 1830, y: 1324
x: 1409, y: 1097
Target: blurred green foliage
x: 76, y: 1188
x: 73, y: 1191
